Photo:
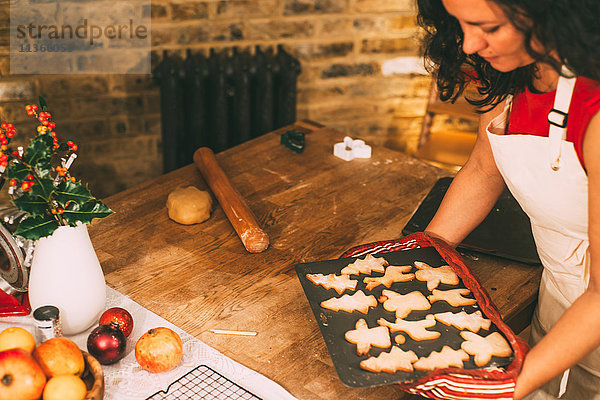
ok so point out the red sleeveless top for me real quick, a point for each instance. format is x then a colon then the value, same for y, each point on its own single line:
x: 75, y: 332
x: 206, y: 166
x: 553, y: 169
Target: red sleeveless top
x: 529, y: 113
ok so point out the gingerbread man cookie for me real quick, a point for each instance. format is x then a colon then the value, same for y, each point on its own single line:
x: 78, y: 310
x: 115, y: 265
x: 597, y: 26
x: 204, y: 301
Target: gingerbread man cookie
x: 403, y: 304
x: 435, y: 276
x: 364, y: 337
x: 483, y: 348
x: 365, y: 266
x: 454, y: 297
x: 396, y: 360
x: 415, y: 329
x: 359, y: 301
x: 393, y: 273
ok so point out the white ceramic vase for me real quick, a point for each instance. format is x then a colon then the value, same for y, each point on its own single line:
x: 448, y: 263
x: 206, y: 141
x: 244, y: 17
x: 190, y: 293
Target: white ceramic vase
x: 65, y: 272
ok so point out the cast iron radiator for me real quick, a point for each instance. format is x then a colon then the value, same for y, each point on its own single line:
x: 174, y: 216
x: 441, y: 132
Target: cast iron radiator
x: 223, y: 98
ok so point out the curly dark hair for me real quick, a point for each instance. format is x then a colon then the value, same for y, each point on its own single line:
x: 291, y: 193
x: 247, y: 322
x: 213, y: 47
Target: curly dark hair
x: 571, y: 28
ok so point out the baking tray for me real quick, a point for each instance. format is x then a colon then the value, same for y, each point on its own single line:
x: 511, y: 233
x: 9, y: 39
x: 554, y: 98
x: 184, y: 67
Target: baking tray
x: 505, y: 232
x: 334, y: 325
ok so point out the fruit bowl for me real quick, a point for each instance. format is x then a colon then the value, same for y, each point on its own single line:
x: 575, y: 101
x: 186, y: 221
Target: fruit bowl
x: 93, y: 376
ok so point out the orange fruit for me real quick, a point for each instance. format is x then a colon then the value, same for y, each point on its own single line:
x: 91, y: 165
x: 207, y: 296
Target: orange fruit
x: 16, y: 338
x: 65, y: 387
x: 59, y: 356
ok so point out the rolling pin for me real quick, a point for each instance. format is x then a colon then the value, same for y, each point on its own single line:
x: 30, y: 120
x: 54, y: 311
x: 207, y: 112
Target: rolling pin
x: 233, y: 204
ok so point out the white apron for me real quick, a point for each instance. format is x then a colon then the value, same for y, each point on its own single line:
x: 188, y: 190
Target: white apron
x: 546, y: 178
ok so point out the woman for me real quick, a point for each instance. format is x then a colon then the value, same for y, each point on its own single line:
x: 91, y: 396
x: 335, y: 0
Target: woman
x: 518, y: 51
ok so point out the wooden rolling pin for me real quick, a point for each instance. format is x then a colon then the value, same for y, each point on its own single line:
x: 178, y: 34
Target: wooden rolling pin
x: 235, y: 207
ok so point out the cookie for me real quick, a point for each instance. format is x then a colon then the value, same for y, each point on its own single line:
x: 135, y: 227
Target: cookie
x: 415, y: 329
x: 435, y: 276
x: 365, y: 266
x: 393, y: 273
x: 483, y: 348
x: 359, y: 301
x: 454, y: 297
x: 396, y: 360
x: 473, y: 322
x: 445, y: 358
x: 332, y: 281
x: 364, y: 337
x: 403, y: 304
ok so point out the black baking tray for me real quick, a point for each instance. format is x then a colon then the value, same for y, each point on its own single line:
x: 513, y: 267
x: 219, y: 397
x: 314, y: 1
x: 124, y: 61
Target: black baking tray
x: 505, y: 232
x: 334, y: 325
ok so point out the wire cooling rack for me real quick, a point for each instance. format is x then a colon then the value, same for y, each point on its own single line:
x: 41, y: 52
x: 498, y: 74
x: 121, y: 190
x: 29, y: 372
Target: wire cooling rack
x: 203, y: 383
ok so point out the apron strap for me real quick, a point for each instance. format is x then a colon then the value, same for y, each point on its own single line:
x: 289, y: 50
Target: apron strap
x: 558, y: 116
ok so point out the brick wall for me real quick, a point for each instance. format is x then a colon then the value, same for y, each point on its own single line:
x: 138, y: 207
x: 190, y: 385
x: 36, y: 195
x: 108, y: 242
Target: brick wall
x: 360, y: 73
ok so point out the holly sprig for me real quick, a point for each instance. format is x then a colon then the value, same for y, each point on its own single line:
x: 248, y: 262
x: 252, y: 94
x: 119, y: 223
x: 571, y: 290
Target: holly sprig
x: 40, y: 183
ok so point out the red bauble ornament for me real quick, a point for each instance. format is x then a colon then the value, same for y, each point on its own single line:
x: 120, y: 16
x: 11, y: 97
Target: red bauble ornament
x: 107, y: 343
x: 119, y: 315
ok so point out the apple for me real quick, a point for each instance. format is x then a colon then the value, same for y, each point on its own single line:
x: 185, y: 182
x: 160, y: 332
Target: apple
x: 159, y: 350
x: 20, y: 376
x: 59, y: 356
x: 120, y: 316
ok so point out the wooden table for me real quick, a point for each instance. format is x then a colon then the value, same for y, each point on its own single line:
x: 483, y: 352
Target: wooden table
x: 314, y: 206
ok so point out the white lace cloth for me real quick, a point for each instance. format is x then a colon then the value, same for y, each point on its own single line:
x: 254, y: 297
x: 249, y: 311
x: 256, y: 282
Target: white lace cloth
x: 126, y: 380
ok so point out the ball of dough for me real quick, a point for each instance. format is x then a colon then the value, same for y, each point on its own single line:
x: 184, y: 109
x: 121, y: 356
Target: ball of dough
x: 189, y: 205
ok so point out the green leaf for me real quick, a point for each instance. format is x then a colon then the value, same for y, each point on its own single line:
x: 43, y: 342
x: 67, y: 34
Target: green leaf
x: 32, y: 204
x: 72, y: 191
x: 39, y: 150
x: 36, y: 227
x: 85, y: 213
x: 18, y: 171
x: 43, y: 168
x: 43, y: 104
x: 44, y: 187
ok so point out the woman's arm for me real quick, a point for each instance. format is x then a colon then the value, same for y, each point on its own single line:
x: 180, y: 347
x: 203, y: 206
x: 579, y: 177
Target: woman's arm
x: 577, y: 332
x: 473, y: 192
